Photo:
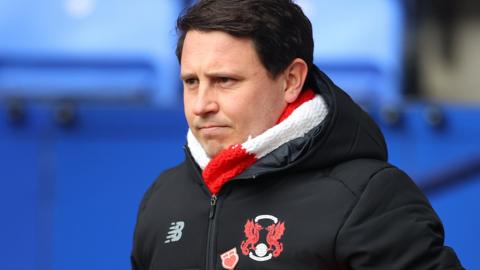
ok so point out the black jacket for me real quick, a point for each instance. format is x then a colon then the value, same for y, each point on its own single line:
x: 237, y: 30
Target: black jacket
x: 328, y: 200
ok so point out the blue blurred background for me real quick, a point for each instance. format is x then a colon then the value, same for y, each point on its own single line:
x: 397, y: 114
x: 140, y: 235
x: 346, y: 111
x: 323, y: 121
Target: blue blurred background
x: 91, y: 113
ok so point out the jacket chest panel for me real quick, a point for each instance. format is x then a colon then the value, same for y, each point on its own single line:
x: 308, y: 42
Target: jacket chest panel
x: 273, y: 230
x: 271, y: 227
x: 173, y: 231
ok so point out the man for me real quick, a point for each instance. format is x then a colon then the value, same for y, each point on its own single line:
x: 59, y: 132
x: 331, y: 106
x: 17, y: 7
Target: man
x: 283, y: 170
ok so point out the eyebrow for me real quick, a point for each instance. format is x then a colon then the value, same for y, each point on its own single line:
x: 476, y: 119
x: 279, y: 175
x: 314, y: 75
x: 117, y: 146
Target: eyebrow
x: 187, y: 76
x: 219, y: 74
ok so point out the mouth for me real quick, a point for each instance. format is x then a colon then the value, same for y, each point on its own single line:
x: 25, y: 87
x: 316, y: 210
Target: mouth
x: 212, y: 130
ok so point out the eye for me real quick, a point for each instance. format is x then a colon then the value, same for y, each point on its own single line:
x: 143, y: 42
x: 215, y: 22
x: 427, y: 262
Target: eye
x: 190, y: 82
x: 225, y: 81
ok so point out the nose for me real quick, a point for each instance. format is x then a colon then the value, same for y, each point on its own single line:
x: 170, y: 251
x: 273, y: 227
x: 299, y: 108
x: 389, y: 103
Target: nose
x: 205, y: 102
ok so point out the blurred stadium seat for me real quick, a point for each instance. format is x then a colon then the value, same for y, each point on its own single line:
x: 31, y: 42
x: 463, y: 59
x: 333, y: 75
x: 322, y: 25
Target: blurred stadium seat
x: 360, y: 45
x: 89, y: 49
x: 70, y: 194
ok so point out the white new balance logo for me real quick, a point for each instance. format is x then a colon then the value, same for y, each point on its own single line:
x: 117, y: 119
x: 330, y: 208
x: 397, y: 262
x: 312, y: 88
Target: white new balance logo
x: 175, y: 232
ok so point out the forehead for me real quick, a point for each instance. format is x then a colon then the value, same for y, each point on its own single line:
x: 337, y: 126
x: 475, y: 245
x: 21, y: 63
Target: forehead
x: 217, y: 49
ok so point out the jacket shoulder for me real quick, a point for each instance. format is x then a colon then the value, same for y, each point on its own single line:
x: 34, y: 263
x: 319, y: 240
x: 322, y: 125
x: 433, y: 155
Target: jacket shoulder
x: 166, y: 176
x: 356, y: 174
x: 391, y: 224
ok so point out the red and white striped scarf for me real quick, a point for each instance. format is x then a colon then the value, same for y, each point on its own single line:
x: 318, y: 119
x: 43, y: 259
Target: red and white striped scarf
x: 299, y: 117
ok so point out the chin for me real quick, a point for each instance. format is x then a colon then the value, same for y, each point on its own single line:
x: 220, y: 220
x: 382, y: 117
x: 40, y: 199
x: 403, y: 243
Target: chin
x: 213, y: 147
x: 212, y: 150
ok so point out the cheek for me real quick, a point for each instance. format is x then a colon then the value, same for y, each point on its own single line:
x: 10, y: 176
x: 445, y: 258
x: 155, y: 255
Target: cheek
x: 187, y: 107
x: 255, y: 116
x: 186, y: 112
x: 189, y: 117
x: 271, y: 105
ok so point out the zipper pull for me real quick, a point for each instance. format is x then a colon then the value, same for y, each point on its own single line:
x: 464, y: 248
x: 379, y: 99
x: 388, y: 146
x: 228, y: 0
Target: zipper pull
x: 213, y: 204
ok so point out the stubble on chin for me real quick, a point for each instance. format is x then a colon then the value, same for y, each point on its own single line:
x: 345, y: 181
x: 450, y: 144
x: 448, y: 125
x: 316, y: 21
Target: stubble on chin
x: 212, y: 149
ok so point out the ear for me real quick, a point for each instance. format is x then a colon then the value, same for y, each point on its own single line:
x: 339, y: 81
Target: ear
x: 295, y: 76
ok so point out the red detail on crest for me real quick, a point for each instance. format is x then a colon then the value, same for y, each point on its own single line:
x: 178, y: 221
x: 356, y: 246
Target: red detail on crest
x: 230, y: 259
x: 275, y: 232
x: 226, y: 165
x: 252, y: 232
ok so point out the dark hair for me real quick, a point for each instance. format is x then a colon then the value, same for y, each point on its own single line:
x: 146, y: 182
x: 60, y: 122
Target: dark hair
x: 279, y: 29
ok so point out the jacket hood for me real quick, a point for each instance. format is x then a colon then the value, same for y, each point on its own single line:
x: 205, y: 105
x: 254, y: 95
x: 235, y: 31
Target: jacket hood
x: 347, y: 133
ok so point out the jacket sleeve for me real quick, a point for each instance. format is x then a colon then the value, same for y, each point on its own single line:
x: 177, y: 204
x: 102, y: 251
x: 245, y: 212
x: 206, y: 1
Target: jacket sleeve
x: 134, y: 263
x: 392, y: 226
x: 136, y: 260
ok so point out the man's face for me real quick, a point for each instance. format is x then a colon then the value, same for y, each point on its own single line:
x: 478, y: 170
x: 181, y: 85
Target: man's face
x: 228, y: 93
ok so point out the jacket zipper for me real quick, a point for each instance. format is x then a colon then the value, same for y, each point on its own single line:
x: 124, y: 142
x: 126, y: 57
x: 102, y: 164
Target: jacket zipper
x: 211, y: 234
x: 210, y: 253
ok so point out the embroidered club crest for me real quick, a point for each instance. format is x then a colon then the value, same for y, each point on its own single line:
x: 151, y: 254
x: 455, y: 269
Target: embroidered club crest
x: 254, y: 230
x: 230, y: 259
